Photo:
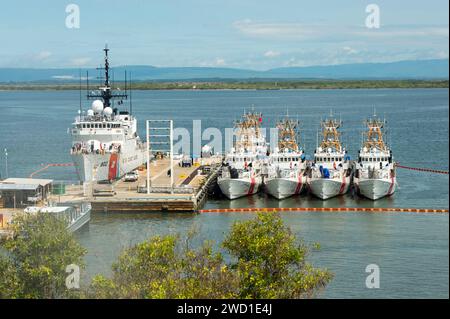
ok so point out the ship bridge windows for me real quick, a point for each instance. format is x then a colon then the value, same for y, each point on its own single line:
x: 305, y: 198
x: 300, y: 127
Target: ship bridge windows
x: 98, y: 125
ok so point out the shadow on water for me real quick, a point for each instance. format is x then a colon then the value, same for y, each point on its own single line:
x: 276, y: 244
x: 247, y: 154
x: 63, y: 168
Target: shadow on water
x: 112, y: 217
x: 261, y: 200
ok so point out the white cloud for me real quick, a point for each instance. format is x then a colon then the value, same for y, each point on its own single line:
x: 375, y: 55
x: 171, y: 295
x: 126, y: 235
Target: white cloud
x: 43, y: 55
x: 63, y: 77
x: 333, y: 33
x: 249, y: 28
x: 217, y: 62
x: 271, y: 54
x: 441, y: 55
x: 349, y: 50
x: 220, y: 62
x: 80, y: 61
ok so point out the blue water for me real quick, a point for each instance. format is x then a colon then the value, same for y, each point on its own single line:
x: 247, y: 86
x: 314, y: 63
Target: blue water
x: 410, y: 249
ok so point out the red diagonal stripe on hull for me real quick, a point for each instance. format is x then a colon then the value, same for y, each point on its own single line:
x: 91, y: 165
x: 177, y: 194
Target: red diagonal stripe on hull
x: 299, y: 184
x: 112, y: 171
x: 392, y: 186
x: 341, y: 190
x: 252, y: 186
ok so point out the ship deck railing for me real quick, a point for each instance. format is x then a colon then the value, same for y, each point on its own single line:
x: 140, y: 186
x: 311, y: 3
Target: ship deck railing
x: 167, y: 190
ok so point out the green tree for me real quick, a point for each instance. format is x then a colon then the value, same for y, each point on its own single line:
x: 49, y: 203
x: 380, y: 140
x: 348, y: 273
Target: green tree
x: 269, y: 261
x: 35, y: 260
x: 164, y: 267
x: 10, y: 285
x: 266, y: 263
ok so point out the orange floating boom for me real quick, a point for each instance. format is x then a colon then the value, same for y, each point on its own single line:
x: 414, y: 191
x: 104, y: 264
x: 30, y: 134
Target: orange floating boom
x: 324, y: 209
x: 423, y: 169
x: 49, y: 165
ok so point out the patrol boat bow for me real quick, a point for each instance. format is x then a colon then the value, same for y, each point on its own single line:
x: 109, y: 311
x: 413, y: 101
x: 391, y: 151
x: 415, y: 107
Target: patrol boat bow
x: 286, y: 164
x: 241, y: 175
x: 330, y: 172
x: 375, y: 174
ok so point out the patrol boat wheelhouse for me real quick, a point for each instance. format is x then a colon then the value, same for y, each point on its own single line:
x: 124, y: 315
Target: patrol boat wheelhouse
x: 241, y: 174
x: 330, y: 172
x: 105, y: 143
x: 375, y: 174
x: 287, y: 165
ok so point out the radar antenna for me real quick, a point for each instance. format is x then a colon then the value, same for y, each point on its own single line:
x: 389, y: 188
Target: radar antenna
x: 105, y: 93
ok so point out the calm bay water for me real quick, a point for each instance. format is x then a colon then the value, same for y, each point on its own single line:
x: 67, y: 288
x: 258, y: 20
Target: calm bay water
x: 410, y: 249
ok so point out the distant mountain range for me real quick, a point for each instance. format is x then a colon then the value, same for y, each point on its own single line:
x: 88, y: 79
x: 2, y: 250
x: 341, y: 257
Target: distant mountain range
x: 420, y: 69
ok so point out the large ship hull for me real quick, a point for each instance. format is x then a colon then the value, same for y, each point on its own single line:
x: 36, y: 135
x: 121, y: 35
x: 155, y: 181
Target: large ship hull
x: 375, y: 188
x: 281, y: 188
x: 106, y: 167
x: 326, y: 188
x: 238, y: 187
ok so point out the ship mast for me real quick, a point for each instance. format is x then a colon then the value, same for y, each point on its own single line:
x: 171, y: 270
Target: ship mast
x: 105, y: 93
x: 249, y: 128
x: 287, y: 135
x: 374, y: 134
x: 330, y: 135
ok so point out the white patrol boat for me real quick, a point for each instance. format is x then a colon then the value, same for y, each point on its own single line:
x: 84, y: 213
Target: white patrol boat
x: 330, y: 173
x: 375, y: 174
x: 287, y: 165
x: 105, y: 143
x: 241, y: 173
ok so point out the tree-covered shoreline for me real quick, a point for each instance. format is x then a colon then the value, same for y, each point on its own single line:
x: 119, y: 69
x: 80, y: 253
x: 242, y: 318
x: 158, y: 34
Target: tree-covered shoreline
x: 240, y: 85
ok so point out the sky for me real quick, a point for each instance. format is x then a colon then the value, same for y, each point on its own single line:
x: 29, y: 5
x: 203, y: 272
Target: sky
x: 250, y: 34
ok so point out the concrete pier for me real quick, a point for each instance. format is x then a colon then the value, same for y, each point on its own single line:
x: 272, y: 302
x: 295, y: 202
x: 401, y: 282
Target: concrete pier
x: 189, y: 192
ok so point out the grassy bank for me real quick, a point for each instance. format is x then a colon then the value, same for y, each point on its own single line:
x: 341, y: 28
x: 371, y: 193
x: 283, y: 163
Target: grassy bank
x: 244, y: 85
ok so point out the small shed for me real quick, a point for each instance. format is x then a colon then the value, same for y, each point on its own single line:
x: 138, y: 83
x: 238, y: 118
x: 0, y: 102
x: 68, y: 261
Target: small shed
x: 22, y: 192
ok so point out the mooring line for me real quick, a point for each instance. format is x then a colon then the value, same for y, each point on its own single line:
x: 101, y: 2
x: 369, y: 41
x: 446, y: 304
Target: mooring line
x: 324, y: 209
